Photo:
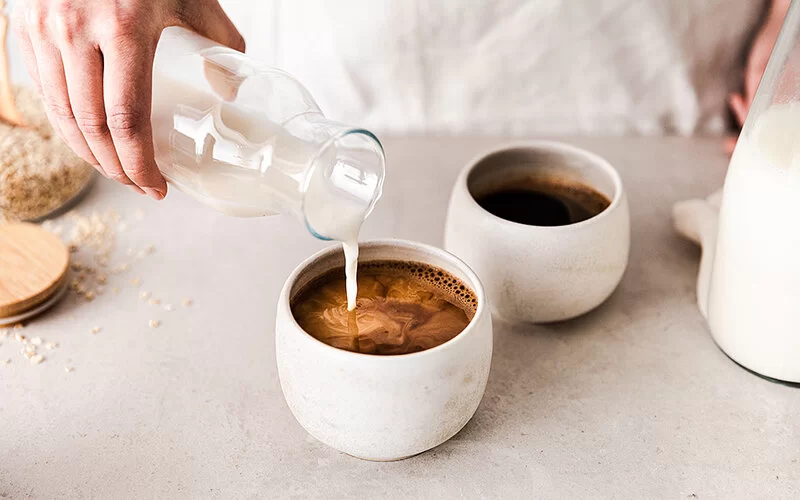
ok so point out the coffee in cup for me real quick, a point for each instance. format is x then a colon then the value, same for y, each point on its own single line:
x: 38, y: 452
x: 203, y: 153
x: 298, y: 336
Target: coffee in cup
x: 543, y: 201
x: 402, y: 307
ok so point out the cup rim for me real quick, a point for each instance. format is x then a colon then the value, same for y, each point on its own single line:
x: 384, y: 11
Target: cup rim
x: 475, y: 284
x: 561, y: 147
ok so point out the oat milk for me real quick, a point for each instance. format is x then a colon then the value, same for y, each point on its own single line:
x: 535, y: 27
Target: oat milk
x: 754, y: 298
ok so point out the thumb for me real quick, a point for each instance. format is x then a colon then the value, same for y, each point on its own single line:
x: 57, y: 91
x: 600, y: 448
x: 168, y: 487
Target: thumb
x: 209, y: 20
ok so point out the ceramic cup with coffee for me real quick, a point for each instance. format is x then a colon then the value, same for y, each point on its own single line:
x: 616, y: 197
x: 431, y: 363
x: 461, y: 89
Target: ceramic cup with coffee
x: 404, y: 371
x: 546, y: 227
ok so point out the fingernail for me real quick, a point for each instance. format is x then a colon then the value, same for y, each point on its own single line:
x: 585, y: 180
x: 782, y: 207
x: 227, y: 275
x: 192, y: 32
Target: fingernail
x: 153, y: 193
x: 135, y: 189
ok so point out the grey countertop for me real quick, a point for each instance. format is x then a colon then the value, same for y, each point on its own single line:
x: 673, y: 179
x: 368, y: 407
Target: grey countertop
x: 633, y: 400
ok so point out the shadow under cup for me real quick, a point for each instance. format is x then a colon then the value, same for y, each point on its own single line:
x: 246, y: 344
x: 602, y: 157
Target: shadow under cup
x: 382, y: 407
x: 541, y: 273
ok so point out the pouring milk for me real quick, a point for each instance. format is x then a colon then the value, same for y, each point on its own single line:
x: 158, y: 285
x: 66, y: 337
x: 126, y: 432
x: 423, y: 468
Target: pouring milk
x: 249, y: 140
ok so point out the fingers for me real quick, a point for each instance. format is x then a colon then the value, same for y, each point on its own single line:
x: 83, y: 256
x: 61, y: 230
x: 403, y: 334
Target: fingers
x: 74, y: 76
x: 127, y: 88
x: 729, y: 145
x: 739, y: 107
x: 56, y: 97
x: 84, y: 77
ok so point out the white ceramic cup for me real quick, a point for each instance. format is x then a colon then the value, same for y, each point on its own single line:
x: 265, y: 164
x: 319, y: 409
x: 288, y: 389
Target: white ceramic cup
x: 534, y: 273
x: 382, y: 407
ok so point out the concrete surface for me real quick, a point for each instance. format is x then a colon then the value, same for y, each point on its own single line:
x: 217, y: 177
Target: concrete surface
x: 631, y: 401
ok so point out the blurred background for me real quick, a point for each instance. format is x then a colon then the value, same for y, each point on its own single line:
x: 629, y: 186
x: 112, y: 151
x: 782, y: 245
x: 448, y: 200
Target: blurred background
x: 510, y: 67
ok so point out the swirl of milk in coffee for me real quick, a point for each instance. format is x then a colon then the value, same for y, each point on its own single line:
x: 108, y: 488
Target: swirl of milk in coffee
x: 402, y: 307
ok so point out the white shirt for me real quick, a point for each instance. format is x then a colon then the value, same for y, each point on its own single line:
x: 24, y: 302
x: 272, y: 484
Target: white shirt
x: 515, y: 67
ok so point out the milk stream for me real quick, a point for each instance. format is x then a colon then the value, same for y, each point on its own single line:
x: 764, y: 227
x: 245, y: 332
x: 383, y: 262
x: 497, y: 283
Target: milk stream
x: 754, y: 300
x: 244, y: 165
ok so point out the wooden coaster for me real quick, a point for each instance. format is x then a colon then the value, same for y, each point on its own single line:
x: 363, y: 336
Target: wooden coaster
x: 33, y: 268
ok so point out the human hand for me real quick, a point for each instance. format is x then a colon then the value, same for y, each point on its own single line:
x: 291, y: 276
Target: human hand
x: 92, y: 63
x: 760, y: 51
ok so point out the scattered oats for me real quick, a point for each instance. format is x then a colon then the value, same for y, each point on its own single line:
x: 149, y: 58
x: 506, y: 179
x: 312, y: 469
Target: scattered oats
x: 155, y: 302
x: 102, y: 279
x: 37, y: 359
x: 72, y: 248
x: 3, y: 333
x: 29, y: 351
x: 149, y: 249
x: 77, y: 267
x: 114, y: 290
x: 144, y: 295
x: 5, y: 361
x: 154, y: 323
x: 96, y: 330
x: 19, y: 326
x: 140, y: 255
x: 51, y: 345
x: 187, y: 302
x: 20, y: 337
x: 99, y: 290
x: 68, y: 369
x: 136, y: 282
x: 89, y: 295
x: 80, y: 288
x: 168, y: 307
x: 36, y: 341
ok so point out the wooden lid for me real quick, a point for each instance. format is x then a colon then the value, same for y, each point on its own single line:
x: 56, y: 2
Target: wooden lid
x: 33, y: 267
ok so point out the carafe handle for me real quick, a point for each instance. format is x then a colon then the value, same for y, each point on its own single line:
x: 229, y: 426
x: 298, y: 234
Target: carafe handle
x: 697, y: 221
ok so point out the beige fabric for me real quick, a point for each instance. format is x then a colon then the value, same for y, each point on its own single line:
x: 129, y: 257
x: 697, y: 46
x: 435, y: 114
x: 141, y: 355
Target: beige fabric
x: 509, y: 66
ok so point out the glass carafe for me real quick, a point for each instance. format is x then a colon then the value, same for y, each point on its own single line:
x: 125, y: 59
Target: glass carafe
x: 249, y: 140
x: 754, y: 293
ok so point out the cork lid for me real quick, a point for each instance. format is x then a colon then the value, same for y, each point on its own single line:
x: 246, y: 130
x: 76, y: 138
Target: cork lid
x: 33, y: 270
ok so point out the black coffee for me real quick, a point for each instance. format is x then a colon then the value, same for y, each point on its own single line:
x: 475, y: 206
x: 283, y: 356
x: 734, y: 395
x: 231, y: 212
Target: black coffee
x: 544, y: 202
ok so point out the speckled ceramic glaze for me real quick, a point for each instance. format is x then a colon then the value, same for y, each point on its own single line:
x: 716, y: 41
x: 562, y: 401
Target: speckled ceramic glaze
x: 383, y: 407
x: 533, y: 273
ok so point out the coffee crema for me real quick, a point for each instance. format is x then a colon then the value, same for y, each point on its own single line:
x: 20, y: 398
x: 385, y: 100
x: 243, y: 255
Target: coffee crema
x: 543, y: 201
x: 402, y: 307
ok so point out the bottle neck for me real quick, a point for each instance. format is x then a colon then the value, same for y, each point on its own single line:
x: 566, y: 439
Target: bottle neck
x: 343, y: 182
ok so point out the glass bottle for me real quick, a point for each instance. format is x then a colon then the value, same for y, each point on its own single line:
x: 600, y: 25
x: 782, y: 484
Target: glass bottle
x: 754, y: 292
x: 249, y: 140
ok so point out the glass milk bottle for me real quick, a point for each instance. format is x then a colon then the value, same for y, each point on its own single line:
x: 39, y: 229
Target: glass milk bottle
x: 249, y: 140
x: 754, y: 295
